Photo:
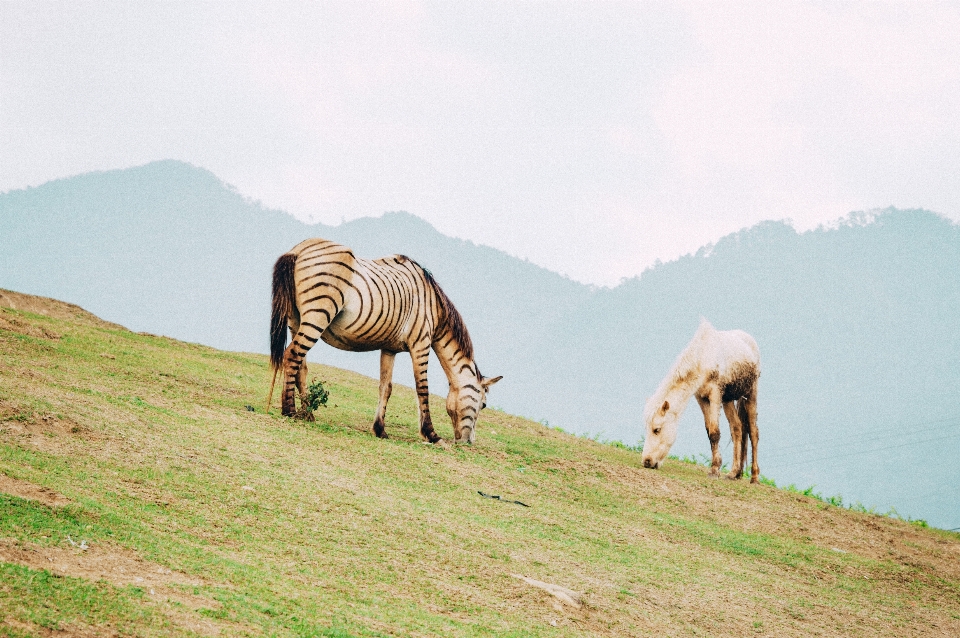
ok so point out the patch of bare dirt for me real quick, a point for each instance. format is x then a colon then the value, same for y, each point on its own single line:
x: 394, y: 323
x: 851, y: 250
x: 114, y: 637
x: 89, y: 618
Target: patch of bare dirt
x: 65, y: 631
x: 119, y: 567
x: 46, y: 431
x: 10, y: 322
x: 50, y: 308
x: 25, y: 489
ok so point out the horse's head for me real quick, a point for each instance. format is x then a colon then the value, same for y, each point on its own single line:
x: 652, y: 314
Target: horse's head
x: 661, y: 423
x: 464, y: 405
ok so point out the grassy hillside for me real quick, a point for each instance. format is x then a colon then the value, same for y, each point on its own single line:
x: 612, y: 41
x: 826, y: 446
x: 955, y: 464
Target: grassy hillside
x: 139, y: 496
x: 856, y: 322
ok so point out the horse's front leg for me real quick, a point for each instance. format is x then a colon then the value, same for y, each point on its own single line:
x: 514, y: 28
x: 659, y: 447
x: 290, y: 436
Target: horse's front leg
x: 739, y: 436
x: 420, y: 354
x: 710, y: 404
x: 386, y: 387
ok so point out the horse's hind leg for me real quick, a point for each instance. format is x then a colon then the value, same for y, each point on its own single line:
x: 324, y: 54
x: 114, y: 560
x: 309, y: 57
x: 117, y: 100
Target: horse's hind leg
x: 744, y: 435
x: 739, y: 439
x: 748, y: 414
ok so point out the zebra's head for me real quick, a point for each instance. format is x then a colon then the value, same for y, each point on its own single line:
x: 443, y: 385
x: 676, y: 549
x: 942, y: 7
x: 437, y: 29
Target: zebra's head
x: 464, y: 405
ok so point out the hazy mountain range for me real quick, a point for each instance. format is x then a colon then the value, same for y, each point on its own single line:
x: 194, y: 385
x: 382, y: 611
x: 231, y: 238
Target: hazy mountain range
x: 857, y: 323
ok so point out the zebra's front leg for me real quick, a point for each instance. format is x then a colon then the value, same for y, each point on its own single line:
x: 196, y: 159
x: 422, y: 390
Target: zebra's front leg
x: 420, y: 354
x: 386, y: 387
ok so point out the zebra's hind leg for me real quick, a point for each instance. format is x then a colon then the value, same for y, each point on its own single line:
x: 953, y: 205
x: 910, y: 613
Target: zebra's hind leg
x: 295, y: 365
x: 302, y: 391
x: 386, y: 387
x: 293, y: 360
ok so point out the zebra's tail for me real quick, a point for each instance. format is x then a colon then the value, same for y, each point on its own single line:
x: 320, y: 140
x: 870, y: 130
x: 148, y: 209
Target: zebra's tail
x: 284, y: 300
x: 284, y: 306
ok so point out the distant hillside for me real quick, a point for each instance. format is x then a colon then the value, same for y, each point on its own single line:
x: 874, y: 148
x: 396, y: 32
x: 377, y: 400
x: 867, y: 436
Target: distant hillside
x: 857, y: 324
x: 139, y: 496
x: 168, y: 248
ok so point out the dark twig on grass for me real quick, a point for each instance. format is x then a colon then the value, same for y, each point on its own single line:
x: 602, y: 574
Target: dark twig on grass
x: 500, y: 498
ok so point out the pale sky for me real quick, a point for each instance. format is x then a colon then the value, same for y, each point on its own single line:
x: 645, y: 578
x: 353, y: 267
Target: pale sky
x: 592, y: 138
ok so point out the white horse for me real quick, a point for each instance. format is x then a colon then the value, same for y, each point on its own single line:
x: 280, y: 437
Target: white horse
x: 719, y: 368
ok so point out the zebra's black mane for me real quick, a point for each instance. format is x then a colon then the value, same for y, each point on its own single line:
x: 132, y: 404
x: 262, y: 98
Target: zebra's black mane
x: 451, y: 316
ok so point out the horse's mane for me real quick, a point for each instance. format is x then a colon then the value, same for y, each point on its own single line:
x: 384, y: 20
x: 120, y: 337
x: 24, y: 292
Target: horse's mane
x: 449, y: 315
x: 685, y: 370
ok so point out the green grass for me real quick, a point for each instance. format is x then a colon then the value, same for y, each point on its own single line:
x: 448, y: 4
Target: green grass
x: 321, y: 529
x: 57, y: 603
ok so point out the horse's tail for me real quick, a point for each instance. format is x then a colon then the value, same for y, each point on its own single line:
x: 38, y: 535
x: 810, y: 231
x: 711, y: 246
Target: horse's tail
x: 284, y: 305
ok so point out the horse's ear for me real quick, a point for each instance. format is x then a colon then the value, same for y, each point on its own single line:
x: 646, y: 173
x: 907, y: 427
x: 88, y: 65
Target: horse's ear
x: 489, y: 382
x: 664, y: 407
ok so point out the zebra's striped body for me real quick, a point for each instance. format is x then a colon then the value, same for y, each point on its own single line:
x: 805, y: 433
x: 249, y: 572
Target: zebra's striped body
x: 322, y: 291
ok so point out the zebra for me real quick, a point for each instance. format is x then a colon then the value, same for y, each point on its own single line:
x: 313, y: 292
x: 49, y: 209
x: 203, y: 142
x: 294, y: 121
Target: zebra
x: 322, y: 291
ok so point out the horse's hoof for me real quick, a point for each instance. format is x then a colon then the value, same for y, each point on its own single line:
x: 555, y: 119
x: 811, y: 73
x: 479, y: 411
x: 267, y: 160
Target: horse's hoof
x: 381, y: 435
x: 713, y: 475
x: 754, y: 480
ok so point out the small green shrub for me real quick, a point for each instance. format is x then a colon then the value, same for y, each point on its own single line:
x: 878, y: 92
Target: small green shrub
x: 317, y: 395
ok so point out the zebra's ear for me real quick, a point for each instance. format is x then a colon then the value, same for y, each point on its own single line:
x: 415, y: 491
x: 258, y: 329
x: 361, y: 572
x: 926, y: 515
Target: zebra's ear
x: 664, y: 407
x: 489, y: 382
